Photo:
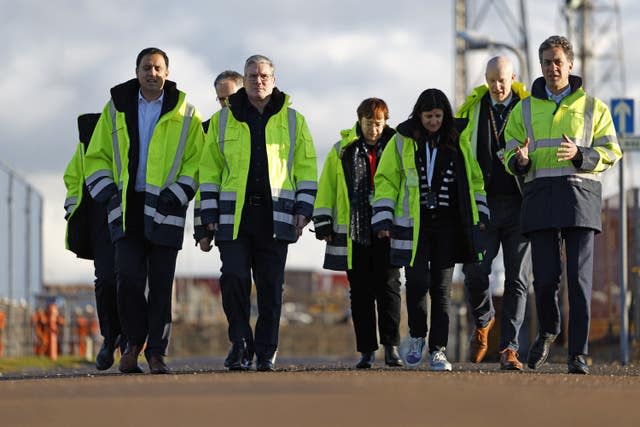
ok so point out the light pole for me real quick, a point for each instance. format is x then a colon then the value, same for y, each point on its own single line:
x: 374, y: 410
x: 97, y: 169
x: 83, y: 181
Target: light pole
x: 477, y: 41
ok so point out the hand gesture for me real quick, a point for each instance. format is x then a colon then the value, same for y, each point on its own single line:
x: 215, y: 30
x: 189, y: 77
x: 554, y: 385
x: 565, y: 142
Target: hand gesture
x: 567, y: 149
x: 522, y: 153
x: 384, y: 234
x: 301, y: 222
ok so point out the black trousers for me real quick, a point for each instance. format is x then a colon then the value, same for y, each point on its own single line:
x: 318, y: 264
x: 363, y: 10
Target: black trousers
x: 105, y: 284
x: 373, y: 282
x: 547, y: 270
x: 139, y: 262
x: 255, y: 250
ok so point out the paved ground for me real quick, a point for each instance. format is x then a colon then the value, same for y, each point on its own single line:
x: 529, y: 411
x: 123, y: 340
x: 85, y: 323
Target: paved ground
x: 322, y: 392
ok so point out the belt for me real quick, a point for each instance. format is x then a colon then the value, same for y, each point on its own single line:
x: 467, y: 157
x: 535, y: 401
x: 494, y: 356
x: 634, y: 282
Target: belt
x: 255, y: 200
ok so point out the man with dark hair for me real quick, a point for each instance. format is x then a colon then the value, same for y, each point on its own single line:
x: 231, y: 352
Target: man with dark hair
x: 561, y: 140
x: 225, y: 84
x: 258, y: 186
x: 142, y: 163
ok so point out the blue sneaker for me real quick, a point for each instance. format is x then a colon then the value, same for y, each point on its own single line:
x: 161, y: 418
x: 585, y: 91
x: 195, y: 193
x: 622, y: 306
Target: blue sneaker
x: 416, y: 351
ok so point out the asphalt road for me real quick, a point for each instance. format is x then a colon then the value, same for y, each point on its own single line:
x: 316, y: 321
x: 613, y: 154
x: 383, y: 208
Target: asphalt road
x: 322, y: 392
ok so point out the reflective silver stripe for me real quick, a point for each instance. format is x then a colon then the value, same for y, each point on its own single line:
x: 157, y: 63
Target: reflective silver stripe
x: 227, y: 219
x: 280, y: 193
x: 228, y: 195
x: 323, y: 211
x: 337, y: 250
x: 179, y: 192
x: 99, y: 174
x: 405, y: 199
x: 114, y: 138
x: 302, y: 197
x: 96, y: 189
x: 283, y: 217
x: 222, y: 121
x: 70, y: 208
x: 611, y: 156
x: 483, y: 209
x: 114, y: 214
x: 605, y: 140
x: 187, y: 180
x: 406, y: 245
x: 481, y: 198
x: 512, y: 144
x: 337, y: 146
x: 307, y: 185
x: 209, y: 204
x: 556, y: 172
x: 382, y: 216
x: 403, y: 221
x: 182, y: 142
x: 340, y: 228
x: 152, y: 189
x: 321, y: 224
x: 384, y: 203
x: 168, y: 220
x: 526, y: 116
x: 149, y: 210
x: 587, y: 134
x: 211, y: 188
x: 291, y: 116
x: 70, y: 201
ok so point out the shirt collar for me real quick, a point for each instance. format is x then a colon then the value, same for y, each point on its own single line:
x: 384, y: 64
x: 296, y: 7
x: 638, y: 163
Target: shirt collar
x: 560, y: 96
x: 506, y: 102
x: 141, y: 98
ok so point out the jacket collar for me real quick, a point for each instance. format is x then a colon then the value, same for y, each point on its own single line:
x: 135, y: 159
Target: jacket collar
x: 538, y: 88
x: 239, y: 102
x: 126, y: 93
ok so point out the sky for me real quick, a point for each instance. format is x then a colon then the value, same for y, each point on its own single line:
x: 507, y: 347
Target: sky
x: 60, y: 58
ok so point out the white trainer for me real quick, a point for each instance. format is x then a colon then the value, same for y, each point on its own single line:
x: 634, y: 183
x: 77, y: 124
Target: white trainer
x: 438, y: 361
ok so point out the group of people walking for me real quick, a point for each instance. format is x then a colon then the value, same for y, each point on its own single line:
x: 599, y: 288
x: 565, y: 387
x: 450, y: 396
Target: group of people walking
x: 509, y: 169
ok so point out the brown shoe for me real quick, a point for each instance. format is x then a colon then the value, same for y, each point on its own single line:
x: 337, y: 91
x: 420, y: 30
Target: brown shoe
x: 129, y: 360
x: 157, y: 364
x: 509, y: 360
x: 480, y: 342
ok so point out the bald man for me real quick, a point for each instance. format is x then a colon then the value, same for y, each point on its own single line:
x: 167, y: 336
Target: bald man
x: 488, y: 108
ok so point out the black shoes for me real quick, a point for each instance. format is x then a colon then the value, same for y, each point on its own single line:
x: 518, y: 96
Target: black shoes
x: 366, y: 360
x: 129, y: 360
x: 104, y: 358
x: 157, y: 364
x: 391, y: 356
x: 539, y: 351
x: 234, y: 359
x: 266, y: 363
x: 577, y: 365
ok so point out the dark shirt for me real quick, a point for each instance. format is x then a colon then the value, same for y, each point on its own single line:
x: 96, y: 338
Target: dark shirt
x: 258, y: 179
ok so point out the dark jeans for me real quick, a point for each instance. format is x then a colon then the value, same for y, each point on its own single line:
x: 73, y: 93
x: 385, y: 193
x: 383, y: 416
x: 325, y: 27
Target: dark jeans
x: 139, y: 261
x: 105, y: 284
x: 255, y: 250
x: 503, y: 229
x: 432, y: 277
x: 547, y: 270
x: 374, y: 282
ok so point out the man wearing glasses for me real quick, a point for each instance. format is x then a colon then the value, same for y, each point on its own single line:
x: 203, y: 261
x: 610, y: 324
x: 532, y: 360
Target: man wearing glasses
x: 258, y: 186
x: 226, y: 84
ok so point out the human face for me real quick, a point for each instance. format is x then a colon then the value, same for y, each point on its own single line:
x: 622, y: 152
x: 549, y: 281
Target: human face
x: 555, y: 68
x: 259, y: 81
x: 152, y: 73
x: 224, y: 89
x: 372, y: 128
x: 432, y: 120
x: 499, y: 80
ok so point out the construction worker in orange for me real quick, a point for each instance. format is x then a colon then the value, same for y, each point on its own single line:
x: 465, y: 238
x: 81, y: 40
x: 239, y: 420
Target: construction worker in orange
x: 39, y: 322
x: 81, y: 333
x: 53, y: 320
x: 2, y: 326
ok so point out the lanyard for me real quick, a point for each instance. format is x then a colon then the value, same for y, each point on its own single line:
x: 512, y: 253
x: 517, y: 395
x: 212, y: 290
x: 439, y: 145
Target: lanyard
x: 431, y: 162
x: 498, y: 133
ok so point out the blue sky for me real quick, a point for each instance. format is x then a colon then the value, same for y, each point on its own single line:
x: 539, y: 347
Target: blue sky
x: 61, y: 57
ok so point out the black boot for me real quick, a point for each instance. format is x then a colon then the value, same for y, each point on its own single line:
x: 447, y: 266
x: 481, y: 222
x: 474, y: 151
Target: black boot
x: 235, y: 357
x: 366, y: 360
x: 391, y: 356
x: 104, y: 358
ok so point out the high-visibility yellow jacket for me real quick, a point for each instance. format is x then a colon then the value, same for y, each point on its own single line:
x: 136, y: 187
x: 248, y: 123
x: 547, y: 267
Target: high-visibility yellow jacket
x: 333, y: 207
x: 224, y: 168
x: 172, y: 163
x: 396, y: 203
x: 561, y: 193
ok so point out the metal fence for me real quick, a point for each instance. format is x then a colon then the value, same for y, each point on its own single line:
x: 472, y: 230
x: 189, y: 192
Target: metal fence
x: 20, y: 257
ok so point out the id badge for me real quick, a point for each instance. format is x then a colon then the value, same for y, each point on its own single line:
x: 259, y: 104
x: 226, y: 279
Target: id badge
x: 500, y: 154
x: 431, y: 200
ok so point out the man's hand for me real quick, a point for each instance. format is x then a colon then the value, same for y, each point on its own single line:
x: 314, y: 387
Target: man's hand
x: 522, y: 153
x: 384, y: 234
x: 567, y: 149
x: 205, y: 244
x: 328, y: 238
x: 301, y: 222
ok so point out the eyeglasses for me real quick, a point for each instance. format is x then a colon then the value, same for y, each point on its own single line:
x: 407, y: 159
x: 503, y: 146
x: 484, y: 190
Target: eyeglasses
x: 263, y: 77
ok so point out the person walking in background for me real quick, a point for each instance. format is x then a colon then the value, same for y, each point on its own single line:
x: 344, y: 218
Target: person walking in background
x: 487, y: 109
x: 561, y: 140
x: 430, y: 201
x: 142, y: 163
x: 342, y: 217
x: 88, y: 237
x: 258, y: 186
x: 225, y: 84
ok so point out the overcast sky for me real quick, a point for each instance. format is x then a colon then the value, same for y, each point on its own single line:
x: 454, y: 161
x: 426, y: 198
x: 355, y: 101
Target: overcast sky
x: 60, y: 58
